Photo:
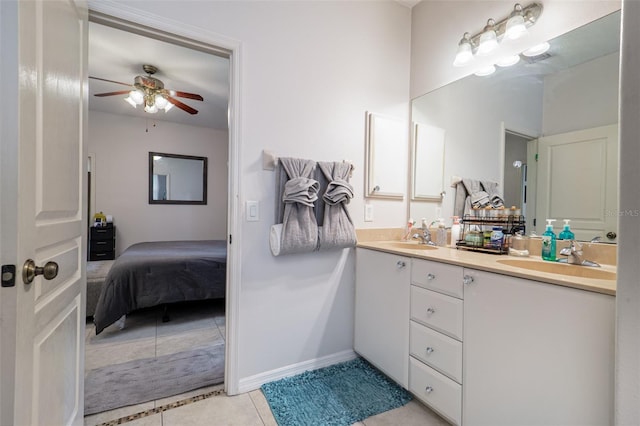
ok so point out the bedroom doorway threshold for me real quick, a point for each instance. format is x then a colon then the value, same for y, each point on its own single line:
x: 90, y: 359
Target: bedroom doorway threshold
x: 140, y: 22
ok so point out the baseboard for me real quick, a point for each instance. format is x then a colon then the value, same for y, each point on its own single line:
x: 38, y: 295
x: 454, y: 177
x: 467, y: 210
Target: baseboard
x: 250, y: 383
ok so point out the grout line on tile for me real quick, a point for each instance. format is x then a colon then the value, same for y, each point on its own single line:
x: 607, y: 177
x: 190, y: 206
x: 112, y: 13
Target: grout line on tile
x: 163, y: 408
x: 257, y: 410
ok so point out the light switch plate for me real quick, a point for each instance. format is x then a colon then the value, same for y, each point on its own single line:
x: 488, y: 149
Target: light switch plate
x: 368, y: 212
x: 253, y: 211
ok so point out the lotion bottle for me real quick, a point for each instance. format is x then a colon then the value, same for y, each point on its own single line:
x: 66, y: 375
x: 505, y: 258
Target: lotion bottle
x: 566, y: 233
x: 455, y: 230
x: 549, y: 242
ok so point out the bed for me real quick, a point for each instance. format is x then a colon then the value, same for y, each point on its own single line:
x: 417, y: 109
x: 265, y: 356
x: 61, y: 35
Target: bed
x: 155, y: 273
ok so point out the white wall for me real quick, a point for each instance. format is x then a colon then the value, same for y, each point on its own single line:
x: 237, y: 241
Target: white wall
x: 121, y: 147
x: 627, y: 398
x: 309, y: 71
x: 437, y: 27
x: 572, y: 101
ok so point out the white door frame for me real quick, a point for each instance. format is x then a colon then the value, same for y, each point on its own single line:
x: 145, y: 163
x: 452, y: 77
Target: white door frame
x: 124, y: 17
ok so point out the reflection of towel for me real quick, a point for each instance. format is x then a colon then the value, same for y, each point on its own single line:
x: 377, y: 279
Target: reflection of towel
x: 479, y: 198
x: 337, y: 230
x: 297, y: 192
x: 491, y: 188
x: 275, y: 236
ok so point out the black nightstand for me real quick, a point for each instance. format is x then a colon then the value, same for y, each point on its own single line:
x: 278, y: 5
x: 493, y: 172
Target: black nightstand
x: 102, y: 243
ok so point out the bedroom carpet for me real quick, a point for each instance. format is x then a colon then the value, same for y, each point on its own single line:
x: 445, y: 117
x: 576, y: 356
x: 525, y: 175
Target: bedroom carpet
x: 337, y: 395
x: 149, y: 379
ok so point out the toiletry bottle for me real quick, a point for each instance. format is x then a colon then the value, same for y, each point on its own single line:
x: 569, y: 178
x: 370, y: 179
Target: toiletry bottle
x: 566, y: 233
x: 549, y: 242
x: 441, y: 235
x: 455, y: 230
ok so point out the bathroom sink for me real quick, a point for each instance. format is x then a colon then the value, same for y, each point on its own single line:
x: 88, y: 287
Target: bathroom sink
x: 409, y: 245
x: 560, y: 268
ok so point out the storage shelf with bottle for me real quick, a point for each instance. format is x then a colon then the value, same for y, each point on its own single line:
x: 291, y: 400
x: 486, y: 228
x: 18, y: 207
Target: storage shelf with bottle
x: 488, y: 230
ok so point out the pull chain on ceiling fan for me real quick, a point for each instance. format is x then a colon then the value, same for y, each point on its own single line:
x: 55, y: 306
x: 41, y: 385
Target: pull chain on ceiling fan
x: 150, y: 92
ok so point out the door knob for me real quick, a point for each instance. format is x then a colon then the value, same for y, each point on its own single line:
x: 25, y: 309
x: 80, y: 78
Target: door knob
x: 29, y: 271
x: 611, y: 235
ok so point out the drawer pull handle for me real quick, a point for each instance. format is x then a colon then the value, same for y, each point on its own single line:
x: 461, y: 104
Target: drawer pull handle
x: 428, y: 389
x: 431, y: 277
x: 400, y: 264
x: 468, y: 279
x: 430, y: 350
x: 431, y: 311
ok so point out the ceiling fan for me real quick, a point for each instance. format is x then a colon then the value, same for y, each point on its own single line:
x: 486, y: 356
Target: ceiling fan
x: 150, y: 92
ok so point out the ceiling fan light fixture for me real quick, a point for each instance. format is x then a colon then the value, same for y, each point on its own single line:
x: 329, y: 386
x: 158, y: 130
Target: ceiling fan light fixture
x: 160, y: 101
x: 130, y: 101
x: 168, y: 107
x: 137, y: 96
x: 151, y: 109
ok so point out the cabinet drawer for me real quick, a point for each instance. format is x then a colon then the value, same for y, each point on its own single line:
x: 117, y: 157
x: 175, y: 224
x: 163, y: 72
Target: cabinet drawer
x: 436, y: 350
x: 437, y: 391
x: 103, y: 255
x: 101, y: 245
x: 440, y: 312
x: 102, y: 233
x: 439, y: 277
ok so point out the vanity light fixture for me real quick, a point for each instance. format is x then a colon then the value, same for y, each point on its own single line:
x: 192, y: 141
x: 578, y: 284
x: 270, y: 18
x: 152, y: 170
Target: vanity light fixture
x: 537, y: 50
x: 485, y: 42
x: 482, y: 72
x: 507, y: 61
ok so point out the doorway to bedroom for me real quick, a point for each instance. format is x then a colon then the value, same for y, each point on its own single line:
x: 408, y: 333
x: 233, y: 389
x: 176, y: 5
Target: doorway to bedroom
x: 174, y: 336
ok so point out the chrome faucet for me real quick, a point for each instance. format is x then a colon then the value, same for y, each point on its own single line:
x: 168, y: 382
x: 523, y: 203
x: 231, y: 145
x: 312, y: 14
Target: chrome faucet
x: 424, y: 238
x: 574, y: 255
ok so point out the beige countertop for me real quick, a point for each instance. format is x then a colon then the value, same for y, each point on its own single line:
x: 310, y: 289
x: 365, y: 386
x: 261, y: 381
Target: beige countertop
x: 495, y: 263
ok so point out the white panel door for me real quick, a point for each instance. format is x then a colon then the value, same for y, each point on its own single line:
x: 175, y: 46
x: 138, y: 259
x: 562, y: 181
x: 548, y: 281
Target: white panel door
x: 47, y: 315
x: 578, y: 180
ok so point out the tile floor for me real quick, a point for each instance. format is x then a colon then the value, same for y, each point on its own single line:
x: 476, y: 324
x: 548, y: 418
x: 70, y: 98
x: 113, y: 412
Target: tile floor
x: 195, y: 325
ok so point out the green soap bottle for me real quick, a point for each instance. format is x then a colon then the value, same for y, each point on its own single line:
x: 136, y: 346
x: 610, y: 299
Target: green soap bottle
x: 549, y: 242
x: 566, y: 233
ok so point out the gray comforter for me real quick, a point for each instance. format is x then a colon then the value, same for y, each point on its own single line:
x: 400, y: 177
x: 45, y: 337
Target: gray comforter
x: 150, y: 274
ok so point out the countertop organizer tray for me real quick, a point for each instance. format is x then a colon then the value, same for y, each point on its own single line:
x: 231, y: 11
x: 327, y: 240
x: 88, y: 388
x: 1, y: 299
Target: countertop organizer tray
x: 510, y: 224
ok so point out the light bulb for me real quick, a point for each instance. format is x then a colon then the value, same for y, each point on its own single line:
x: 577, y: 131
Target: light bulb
x: 508, y: 61
x: 516, y: 27
x: 160, y: 101
x: 137, y: 96
x: 488, y: 39
x: 465, y: 53
x: 130, y: 101
x: 536, y: 50
x: 488, y: 70
x: 151, y: 109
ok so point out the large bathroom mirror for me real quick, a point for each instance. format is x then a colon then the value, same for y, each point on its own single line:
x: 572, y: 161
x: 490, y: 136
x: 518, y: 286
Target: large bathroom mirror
x: 177, y: 179
x: 561, y: 111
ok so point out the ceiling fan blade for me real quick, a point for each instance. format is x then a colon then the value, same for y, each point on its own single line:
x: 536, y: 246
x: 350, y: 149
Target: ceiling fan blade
x: 111, y: 81
x: 121, y: 92
x: 187, y: 95
x: 182, y: 106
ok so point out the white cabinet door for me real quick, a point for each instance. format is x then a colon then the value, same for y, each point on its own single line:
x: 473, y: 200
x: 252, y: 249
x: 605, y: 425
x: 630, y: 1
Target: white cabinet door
x: 382, y: 312
x: 536, y: 354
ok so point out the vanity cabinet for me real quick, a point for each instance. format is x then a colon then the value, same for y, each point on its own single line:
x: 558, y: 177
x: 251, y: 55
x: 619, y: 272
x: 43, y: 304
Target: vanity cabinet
x: 536, y: 353
x: 436, y: 335
x: 381, y: 334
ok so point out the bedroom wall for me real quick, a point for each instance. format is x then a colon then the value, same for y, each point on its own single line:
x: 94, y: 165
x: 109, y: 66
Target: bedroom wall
x: 309, y: 71
x: 121, y: 147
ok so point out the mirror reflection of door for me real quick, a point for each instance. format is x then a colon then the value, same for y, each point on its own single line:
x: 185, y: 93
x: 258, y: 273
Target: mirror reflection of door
x: 160, y: 187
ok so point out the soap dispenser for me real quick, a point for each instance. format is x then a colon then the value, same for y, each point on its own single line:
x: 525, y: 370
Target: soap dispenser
x: 566, y: 233
x: 549, y: 242
x: 441, y: 234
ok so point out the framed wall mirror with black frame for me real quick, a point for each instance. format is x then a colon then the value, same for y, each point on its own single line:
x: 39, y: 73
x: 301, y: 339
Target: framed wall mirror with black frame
x: 177, y: 179
x: 560, y: 109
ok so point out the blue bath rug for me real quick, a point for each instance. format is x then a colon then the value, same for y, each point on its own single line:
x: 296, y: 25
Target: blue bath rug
x: 341, y: 394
